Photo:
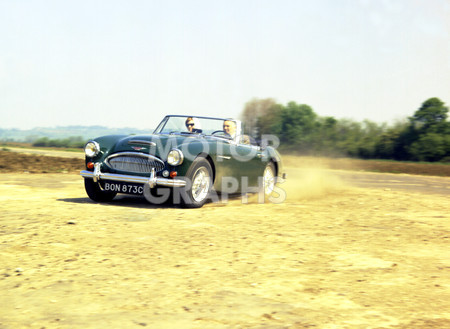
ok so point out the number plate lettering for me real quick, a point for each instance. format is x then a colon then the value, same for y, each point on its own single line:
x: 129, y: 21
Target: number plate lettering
x: 123, y: 188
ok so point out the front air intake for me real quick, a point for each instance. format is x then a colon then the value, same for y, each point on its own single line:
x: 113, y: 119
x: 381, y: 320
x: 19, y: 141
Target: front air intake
x: 134, y: 162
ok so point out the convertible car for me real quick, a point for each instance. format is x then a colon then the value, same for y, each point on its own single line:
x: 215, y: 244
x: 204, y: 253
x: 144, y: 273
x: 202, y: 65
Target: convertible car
x: 191, y: 158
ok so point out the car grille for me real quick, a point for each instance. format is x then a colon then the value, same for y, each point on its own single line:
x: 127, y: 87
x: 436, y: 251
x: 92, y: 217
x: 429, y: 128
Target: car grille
x: 134, y: 162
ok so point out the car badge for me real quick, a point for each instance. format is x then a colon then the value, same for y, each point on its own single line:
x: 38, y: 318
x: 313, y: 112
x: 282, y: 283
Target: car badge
x: 138, y: 148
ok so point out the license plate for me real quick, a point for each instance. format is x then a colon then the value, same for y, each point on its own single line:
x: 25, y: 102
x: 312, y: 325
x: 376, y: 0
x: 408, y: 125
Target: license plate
x: 128, y: 188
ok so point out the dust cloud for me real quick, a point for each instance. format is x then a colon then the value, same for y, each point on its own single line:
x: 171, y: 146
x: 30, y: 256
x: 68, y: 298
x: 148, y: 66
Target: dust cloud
x: 305, y: 181
x: 309, y: 178
x: 308, y: 183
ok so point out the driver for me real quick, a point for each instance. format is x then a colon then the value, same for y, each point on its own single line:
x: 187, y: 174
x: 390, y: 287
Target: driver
x: 192, y: 125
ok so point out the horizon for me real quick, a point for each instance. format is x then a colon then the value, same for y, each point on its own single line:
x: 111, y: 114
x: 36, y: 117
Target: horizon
x: 70, y: 126
x: 143, y: 128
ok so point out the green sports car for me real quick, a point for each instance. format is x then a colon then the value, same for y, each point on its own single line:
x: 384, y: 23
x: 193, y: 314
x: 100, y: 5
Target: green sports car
x: 190, y: 159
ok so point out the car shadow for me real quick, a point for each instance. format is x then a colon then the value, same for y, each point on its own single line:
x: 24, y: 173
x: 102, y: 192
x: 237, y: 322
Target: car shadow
x: 141, y: 202
x: 121, y: 201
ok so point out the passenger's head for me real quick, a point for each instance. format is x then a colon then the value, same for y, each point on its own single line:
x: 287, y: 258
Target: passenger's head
x: 229, y: 126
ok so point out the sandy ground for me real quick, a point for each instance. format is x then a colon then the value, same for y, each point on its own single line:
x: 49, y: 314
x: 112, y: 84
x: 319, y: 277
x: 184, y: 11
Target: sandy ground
x: 332, y: 255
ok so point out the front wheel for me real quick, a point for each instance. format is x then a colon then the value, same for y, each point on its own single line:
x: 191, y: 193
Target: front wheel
x: 95, y: 193
x: 199, y: 181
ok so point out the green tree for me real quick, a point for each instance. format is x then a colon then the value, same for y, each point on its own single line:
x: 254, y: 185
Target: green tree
x: 325, y: 136
x: 298, y: 122
x: 429, y: 130
x: 253, y: 111
x: 431, y: 147
x: 41, y: 142
x: 387, y: 145
x: 271, y: 122
x: 424, y: 136
x: 431, y: 116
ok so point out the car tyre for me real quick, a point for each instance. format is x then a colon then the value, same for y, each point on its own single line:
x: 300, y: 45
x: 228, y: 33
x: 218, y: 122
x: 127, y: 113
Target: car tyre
x: 199, y: 181
x: 95, y: 193
x: 269, y: 179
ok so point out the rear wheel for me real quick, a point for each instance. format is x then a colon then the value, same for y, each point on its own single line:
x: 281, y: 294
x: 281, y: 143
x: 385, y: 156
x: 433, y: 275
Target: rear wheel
x: 95, y: 193
x: 199, y: 184
x: 269, y: 178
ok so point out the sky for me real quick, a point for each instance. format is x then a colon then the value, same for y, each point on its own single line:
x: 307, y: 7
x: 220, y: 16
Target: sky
x: 130, y: 63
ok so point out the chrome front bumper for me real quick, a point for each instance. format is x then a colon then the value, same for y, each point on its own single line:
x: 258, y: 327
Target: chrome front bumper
x: 152, y: 181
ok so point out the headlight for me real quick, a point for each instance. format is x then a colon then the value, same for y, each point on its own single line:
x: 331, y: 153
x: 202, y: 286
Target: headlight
x: 91, y: 149
x: 175, y: 157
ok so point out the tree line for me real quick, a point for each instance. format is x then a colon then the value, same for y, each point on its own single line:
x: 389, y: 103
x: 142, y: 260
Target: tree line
x: 69, y: 142
x: 425, y: 136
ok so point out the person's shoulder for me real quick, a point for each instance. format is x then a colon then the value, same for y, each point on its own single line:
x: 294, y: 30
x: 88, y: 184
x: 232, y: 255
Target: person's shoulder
x: 245, y: 139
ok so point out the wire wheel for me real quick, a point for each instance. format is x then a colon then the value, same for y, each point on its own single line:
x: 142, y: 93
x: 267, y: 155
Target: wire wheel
x: 269, y: 179
x: 201, y: 184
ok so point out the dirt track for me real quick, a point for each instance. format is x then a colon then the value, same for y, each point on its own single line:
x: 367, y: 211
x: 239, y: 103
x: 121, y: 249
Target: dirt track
x: 330, y: 256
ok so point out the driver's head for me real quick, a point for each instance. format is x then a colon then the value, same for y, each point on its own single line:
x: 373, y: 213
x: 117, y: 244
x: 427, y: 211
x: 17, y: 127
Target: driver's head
x: 229, y: 127
x: 190, y: 124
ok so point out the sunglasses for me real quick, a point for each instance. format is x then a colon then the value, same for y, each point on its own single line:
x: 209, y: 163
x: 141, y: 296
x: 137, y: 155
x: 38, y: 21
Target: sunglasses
x: 189, y: 124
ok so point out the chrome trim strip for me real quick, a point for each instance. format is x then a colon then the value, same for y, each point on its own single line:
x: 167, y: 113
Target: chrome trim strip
x: 139, y: 141
x: 136, y: 154
x: 152, y: 181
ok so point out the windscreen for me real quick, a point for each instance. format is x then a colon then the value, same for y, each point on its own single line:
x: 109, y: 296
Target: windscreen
x: 190, y: 125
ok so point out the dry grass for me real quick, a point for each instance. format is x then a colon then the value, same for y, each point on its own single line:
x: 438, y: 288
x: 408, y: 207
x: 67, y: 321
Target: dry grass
x: 18, y: 162
x: 414, y: 168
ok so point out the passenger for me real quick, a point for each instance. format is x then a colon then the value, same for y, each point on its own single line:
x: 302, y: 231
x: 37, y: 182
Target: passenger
x: 229, y: 127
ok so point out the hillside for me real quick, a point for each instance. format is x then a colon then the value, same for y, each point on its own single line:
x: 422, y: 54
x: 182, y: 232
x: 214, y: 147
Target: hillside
x: 60, y: 132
